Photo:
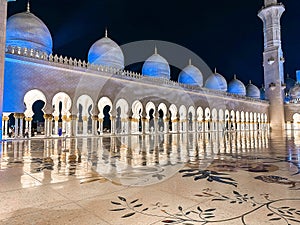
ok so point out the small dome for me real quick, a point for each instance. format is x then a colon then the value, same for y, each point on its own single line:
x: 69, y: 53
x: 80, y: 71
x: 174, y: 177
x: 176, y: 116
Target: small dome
x: 236, y: 87
x: 28, y: 31
x: 289, y: 83
x: 106, y: 52
x: 295, y: 91
x: 252, y: 91
x: 191, y: 75
x: 216, y: 82
x: 156, y: 66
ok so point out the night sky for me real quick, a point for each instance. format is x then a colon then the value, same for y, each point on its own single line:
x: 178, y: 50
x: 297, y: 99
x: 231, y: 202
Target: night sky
x: 225, y: 34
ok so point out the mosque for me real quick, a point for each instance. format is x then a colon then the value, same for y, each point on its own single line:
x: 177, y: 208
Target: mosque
x: 97, y: 96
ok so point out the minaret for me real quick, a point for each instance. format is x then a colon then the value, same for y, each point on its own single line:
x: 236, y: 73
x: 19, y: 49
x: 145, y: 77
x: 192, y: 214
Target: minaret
x: 270, y: 14
x: 3, y: 14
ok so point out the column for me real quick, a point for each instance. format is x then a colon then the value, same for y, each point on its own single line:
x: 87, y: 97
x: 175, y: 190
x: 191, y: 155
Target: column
x: 21, y: 116
x: 174, y: 125
x: 6, y: 119
x: 84, y: 125
x: 166, y: 125
x: 63, y: 125
x: 73, y: 121
x: 124, y: 125
x: 146, y: 125
x: 100, y: 120
x: 16, y: 115
x: 68, y: 127
x: 94, y: 124
x: 29, y: 126
x: 56, y: 118
x: 113, y: 124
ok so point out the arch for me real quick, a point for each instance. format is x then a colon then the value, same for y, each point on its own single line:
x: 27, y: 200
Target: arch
x: 85, y: 106
x: 199, y: 119
x: 232, y: 120
x: 137, y: 109
x: 62, y: 104
x: 150, y: 115
x: 104, y: 101
x: 30, y: 98
x: 105, y: 108
x: 173, y: 120
x: 207, y: 119
x: 227, y: 119
x: 162, y: 117
x: 122, y: 116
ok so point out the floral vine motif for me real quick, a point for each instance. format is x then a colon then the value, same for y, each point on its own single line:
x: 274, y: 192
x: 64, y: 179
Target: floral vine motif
x: 199, y: 215
x: 208, y: 175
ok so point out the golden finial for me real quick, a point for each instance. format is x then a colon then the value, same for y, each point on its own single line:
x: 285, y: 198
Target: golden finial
x: 28, y: 6
x: 105, y: 34
x: 190, y: 62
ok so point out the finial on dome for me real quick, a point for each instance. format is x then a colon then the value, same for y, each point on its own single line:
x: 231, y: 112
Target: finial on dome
x: 250, y: 82
x: 234, y: 76
x: 105, y: 34
x: 287, y: 76
x: 28, y: 6
x: 155, y: 50
x: 215, y: 70
x: 190, y: 62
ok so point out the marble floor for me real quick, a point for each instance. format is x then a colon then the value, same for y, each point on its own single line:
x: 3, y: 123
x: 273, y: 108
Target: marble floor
x: 243, y: 178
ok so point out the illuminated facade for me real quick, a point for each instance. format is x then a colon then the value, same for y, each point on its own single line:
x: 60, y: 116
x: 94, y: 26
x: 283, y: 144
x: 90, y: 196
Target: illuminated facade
x: 99, y: 96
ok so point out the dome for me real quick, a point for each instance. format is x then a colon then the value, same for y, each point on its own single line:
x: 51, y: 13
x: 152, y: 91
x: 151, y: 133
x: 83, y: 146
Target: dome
x: 107, y: 53
x: 252, y: 91
x: 27, y: 31
x: 191, y: 75
x: 295, y: 91
x: 156, y: 66
x: 289, y: 83
x: 236, y: 87
x: 216, y: 82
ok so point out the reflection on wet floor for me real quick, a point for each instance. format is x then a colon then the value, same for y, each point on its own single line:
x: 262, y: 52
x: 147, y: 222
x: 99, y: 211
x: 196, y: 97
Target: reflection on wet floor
x: 215, y: 164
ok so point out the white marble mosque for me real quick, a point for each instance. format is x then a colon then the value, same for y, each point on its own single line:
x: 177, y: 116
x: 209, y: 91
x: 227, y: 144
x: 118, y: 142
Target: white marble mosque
x: 96, y: 95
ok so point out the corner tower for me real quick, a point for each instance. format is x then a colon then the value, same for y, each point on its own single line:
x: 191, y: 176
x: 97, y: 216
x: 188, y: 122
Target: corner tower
x: 273, y: 61
x: 3, y: 13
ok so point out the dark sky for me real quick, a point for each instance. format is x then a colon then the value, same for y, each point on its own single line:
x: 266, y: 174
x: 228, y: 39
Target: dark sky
x: 225, y: 34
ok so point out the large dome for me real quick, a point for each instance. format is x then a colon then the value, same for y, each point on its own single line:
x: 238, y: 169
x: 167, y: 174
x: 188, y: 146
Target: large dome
x: 295, y: 91
x: 253, y: 91
x: 216, y: 82
x: 156, y: 66
x: 107, y: 53
x: 236, y: 87
x: 191, y: 75
x: 27, y: 31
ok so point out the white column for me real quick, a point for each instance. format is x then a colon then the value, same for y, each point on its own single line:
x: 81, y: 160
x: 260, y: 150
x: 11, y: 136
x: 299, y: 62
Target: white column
x: 56, y: 118
x: 16, y: 115
x: 166, y: 125
x: 29, y: 127
x: 84, y: 125
x: 6, y: 127
x: 113, y: 124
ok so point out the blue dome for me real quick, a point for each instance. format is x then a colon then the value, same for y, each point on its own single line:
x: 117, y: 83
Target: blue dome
x: 191, y: 75
x: 236, y: 87
x: 216, y: 82
x: 253, y: 91
x: 27, y: 31
x: 107, y: 53
x: 289, y: 83
x: 156, y: 66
